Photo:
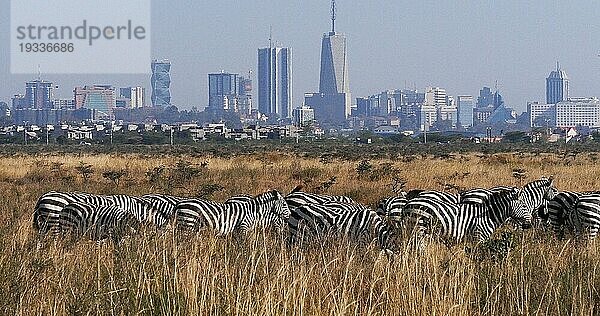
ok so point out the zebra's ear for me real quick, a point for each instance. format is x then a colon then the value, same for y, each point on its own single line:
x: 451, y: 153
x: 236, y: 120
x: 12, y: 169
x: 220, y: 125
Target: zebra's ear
x: 551, y: 180
x: 297, y: 188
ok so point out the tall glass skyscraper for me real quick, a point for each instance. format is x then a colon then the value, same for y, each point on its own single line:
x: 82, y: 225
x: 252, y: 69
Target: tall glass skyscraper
x: 557, y: 86
x: 333, y: 102
x: 161, y: 82
x: 275, y: 81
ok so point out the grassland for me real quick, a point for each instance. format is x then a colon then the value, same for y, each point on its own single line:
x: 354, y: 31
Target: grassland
x: 166, y: 274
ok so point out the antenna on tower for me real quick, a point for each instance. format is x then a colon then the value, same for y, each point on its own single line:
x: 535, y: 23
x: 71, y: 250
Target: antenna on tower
x: 333, y: 14
x: 39, y: 73
x: 557, y: 66
x: 270, y: 36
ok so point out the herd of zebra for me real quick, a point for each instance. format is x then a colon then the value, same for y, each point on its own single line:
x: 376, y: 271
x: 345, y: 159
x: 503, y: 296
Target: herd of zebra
x: 474, y: 214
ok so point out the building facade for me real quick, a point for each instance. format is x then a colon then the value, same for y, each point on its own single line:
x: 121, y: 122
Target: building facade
x: 161, y: 83
x: 577, y: 112
x: 134, y: 95
x: 304, y: 116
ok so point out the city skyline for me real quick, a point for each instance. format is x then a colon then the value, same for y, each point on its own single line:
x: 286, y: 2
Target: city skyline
x: 406, y: 54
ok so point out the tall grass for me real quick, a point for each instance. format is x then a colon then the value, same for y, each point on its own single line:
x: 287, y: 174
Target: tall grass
x: 163, y: 273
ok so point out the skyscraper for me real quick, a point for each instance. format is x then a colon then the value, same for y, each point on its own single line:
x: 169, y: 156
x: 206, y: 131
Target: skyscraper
x: 557, y: 86
x: 223, y: 91
x: 39, y: 94
x: 333, y: 102
x: 465, y: 110
x: 275, y: 81
x: 161, y: 82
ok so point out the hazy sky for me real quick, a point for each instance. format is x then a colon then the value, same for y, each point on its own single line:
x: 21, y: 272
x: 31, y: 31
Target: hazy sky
x: 457, y: 45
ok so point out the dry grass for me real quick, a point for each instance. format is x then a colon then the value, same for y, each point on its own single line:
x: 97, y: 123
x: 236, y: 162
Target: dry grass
x: 160, y: 273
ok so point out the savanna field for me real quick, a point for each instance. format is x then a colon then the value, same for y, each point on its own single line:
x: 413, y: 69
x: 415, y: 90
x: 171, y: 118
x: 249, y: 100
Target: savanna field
x: 164, y: 273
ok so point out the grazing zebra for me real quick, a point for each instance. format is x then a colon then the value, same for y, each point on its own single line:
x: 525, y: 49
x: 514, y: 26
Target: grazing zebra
x: 96, y: 222
x: 391, y: 209
x: 585, y: 216
x: 48, y: 207
x: 298, y: 198
x: 353, y: 220
x: 143, y: 209
x: 263, y: 210
x: 479, y: 213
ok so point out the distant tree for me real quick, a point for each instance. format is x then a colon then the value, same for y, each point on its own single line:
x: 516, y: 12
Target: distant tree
x: 85, y: 170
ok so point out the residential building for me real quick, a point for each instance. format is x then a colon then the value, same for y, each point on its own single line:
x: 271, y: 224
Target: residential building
x: 304, y: 116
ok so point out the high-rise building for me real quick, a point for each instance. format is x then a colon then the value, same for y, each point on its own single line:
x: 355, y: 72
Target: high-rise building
x: 435, y: 96
x: 39, y: 94
x: 223, y: 91
x: 485, y: 98
x: 464, y: 104
x: 101, y: 99
x: 557, y: 86
x: 333, y: 102
x: 161, y: 83
x: 275, y: 81
x: 134, y: 95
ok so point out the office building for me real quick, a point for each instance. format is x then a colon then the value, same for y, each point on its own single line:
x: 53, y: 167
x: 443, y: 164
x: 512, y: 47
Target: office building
x: 332, y: 104
x: 245, y: 103
x: 39, y: 94
x: 275, y: 81
x: 541, y: 114
x: 577, y: 112
x: 161, y: 83
x: 101, y: 99
x: 557, y: 86
x: 464, y: 105
x: 223, y: 91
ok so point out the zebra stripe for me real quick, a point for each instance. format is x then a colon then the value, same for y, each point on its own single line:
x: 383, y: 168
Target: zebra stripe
x: 299, y: 198
x: 353, y: 220
x: 559, y: 210
x: 432, y: 194
x: 96, y: 222
x: 165, y: 204
x: 267, y: 209
x: 586, y: 216
x: 391, y: 210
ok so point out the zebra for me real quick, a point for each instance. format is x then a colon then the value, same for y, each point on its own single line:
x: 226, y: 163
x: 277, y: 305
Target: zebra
x: 48, y: 207
x: 97, y: 222
x: 585, y: 216
x: 143, y: 209
x: 479, y: 213
x: 266, y: 209
x: 353, y: 220
x: 558, y: 209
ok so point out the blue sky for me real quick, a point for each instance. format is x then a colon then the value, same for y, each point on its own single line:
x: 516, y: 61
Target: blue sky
x: 458, y: 45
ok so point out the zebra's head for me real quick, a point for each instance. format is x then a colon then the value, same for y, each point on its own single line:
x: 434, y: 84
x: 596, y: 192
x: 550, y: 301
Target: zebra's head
x: 519, y: 211
x: 275, y: 203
